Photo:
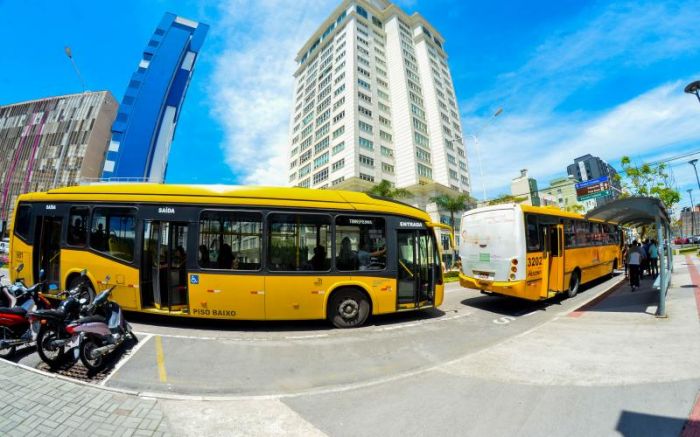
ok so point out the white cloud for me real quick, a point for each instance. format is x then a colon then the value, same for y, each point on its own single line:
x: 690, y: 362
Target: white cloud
x: 653, y: 124
x: 253, y: 86
x: 615, y: 41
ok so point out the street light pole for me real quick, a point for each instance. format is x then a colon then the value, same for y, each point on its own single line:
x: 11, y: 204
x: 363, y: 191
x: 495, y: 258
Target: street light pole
x: 692, y: 213
x: 69, y: 53
x: 693, y: 88
x: 693, y: 162
x: 478, y: 152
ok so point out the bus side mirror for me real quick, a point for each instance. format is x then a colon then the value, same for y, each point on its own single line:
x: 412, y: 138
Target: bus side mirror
x: 20, y: 267
x: 83, y: 273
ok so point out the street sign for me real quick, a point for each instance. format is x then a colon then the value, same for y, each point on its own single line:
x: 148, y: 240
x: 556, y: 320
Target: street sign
x: 594, y: 195
x: 593, y: 188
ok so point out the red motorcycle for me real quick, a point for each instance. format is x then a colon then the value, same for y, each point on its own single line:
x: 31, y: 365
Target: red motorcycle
x: 15, y: 328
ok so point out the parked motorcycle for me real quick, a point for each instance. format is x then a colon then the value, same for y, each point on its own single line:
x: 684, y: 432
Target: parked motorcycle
x: 101, y: 332
x: 16, y: 328
x: 53, y: 342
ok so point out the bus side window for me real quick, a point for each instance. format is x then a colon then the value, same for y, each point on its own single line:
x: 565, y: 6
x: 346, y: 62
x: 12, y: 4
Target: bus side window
x: 534, y: 242
x: 23, y: 218
x: 77, y: 226
x: 569, y: 234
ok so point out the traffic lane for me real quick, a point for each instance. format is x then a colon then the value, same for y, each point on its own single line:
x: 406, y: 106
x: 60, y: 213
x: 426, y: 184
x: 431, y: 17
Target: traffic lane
x: 443, y: 404
x: 325, y: 360
x: 164, y: 325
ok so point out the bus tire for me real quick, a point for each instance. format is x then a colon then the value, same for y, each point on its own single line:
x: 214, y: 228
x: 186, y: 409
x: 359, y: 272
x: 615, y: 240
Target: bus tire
x: 90, y: 290
x: 348, y: 308
x: 574, y: 284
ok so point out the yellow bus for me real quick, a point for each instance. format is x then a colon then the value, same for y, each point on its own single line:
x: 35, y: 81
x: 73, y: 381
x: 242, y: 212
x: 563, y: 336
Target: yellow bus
x: 220, y: 252
x: 535, y: 253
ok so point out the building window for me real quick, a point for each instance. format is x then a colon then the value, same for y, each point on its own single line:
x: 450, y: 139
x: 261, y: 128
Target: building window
x: 364, y: 111
x: 338, y: 147
x: 422, y: 154
x: 366, y: 177
x: 387, y: 152
x: 366, y: 144
x: 321, y: 160
x: 365, y: 127
x: 321, y: 176
x: 366, y: 161
x: 384, y: 135
x: 424, y: 171
x: 387, y: 168
x: 338, y: 165
x: 338, y: 132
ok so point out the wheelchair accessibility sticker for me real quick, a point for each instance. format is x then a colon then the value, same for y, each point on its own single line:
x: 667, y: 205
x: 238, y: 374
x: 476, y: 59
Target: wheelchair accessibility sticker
x: 194, y: 279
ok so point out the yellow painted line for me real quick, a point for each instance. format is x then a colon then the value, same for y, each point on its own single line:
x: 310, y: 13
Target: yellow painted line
x: 160, y: 359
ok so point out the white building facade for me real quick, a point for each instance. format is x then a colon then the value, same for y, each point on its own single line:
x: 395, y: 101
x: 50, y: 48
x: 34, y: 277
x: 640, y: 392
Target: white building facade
x: 374, y: 100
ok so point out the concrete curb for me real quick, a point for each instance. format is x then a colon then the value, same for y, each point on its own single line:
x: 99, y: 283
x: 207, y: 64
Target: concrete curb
x: 595, y: 300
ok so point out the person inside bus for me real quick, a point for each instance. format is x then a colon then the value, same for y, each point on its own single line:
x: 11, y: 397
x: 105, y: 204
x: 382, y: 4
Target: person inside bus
x: 225, y: 257
x: 98, y: 238
x: 318, y: 261
x: 236, y: 263
x: 203, y: 256
x: 181, y: 264
x: 364, y: 257
x: 77, y: 232
x: 346, y: 257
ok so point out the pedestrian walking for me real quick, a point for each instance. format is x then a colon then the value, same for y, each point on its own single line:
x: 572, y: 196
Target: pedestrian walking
x: 653, y: 258
x: 645, y: 261
x: 625, y: 253
x: 634, y: 262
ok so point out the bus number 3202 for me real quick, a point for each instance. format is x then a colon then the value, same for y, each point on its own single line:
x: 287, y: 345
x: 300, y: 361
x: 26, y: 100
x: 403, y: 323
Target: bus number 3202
x: 534, y: 261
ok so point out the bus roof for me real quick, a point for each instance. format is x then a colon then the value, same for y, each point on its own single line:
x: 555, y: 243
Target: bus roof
x: 545, y: 210
x: 228, y: 194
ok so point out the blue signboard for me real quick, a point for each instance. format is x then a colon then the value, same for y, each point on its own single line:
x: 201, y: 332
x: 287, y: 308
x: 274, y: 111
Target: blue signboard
x: 591, y: 182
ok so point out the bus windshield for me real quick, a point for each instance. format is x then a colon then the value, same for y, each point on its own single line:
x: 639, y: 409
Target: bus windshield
x: 490, y: 240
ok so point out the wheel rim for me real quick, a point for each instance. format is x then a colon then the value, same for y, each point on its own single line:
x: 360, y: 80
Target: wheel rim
x: 349, y: 309
x: 93, y: 359
x: 49, y: 347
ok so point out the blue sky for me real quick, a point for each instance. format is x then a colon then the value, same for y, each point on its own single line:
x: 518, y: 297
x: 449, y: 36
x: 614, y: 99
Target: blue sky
x: 573, y: 77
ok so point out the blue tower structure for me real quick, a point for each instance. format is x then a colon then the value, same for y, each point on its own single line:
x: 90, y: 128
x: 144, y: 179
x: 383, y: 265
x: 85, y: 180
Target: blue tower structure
x: 145, y: 125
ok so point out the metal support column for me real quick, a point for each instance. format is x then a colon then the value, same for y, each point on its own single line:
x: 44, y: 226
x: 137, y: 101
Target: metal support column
x: 660, y: 231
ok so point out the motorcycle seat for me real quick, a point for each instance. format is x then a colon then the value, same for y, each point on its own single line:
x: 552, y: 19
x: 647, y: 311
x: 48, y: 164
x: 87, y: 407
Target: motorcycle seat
x: 57, y: 313
x: 92, y: 319
x: 14, y: 310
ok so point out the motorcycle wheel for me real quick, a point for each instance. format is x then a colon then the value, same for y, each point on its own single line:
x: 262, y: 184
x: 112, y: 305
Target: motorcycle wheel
x: 87, y: 347
x: 8, y: 352
x: 53, y: 356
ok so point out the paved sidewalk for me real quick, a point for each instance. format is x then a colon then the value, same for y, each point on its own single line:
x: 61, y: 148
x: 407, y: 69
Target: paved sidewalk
x: 34, y: 404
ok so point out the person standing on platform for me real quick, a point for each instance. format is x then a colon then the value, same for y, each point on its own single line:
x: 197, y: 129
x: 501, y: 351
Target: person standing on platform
x: 653, y: 258
x: 634, y: 263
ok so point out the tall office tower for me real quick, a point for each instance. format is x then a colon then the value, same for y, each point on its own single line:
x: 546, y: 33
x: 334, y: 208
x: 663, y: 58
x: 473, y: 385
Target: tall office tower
x: 374, y: 101
x: 145, y: 125
x: 52, y: 142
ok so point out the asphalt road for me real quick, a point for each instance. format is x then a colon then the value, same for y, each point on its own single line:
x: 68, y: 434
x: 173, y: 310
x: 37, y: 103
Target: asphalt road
x: 215, y: 358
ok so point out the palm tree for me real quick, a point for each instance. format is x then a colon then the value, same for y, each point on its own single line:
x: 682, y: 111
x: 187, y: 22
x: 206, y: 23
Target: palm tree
x: 386, y: 189
x: 453, y: 205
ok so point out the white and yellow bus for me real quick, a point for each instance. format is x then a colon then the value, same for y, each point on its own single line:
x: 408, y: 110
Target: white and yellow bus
x: 234, y: 252
x: 535, y: 253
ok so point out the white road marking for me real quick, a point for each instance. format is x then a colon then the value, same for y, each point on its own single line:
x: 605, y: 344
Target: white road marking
x: 503, y: 320
x: 126, y: 358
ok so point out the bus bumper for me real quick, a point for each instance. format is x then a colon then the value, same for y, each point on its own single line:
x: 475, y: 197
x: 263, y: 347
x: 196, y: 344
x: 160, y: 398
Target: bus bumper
x: 515, y: 288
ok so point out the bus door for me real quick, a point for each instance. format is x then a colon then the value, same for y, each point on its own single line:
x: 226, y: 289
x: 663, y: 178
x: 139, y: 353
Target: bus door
x: 164, y: 266
x: 47, y: 248
x: 417, y: 275
x: 554, y: 247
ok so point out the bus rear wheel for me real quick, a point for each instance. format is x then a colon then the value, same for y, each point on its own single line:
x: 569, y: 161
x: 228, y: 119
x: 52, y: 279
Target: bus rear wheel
x: 348, y: 308
x: 574, y: 284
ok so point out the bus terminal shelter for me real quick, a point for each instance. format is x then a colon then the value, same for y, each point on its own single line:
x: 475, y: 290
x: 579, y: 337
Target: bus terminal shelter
x: 639, y: 211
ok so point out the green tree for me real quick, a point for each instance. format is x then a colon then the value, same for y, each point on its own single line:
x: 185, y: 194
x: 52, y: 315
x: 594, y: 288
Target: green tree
x: 453, y: 205
x: 650, y: 180
x: 576, y: 208
x: 386, y: 189
x: 507, y: 198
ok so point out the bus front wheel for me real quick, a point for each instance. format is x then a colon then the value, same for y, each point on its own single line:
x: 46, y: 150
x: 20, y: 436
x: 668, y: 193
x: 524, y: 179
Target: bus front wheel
x: 348, y: 308
x: 574, y: 284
